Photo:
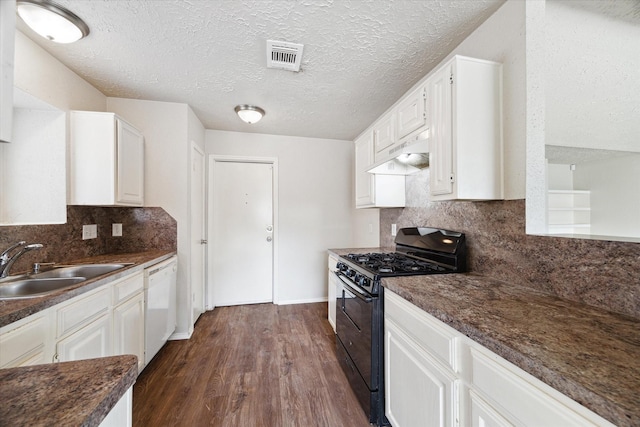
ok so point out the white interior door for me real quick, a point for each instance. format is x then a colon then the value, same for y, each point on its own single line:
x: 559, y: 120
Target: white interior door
x: 241, y: 237
x: 198, y: 236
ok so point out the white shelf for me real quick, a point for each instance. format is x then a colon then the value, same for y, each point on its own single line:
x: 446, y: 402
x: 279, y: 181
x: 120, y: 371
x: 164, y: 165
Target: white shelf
x: 568, y: 211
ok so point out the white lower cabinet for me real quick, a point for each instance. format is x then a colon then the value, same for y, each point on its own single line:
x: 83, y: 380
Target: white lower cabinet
x: 419, y: 392
x: 332, y: 284
x: 89, y: 342
x: 121, y: 415
x: 107, y: 321
x: 436, y: 376
x: 23, y: 343
x: 128, y: 328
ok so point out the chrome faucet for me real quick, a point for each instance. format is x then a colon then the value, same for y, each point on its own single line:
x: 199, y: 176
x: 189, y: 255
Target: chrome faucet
x: 6, y: 261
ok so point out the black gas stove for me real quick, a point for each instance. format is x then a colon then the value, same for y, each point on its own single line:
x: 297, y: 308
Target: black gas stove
x: 419, y: 251
x: 359, y: 304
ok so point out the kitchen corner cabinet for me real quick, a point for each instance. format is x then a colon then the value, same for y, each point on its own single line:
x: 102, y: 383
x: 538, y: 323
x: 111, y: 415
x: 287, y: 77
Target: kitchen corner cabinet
x: 374, y: 190
x: 106, y: 161
x: 465, y: 151
x: 435, y: 375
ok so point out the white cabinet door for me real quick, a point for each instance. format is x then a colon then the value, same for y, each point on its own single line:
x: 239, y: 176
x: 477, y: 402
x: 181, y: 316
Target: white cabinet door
x: 411, y: 112
x: 484, y: 415
x: 384, y: 135
x: 465, y: 153
x: 130, y: 165
x: 128, y: 328
x: 364, y: 180
x: 418, y: 391
x: 106, y: 160
x: 441, y: 146
x: 24, y: 343
x: 92, y: 341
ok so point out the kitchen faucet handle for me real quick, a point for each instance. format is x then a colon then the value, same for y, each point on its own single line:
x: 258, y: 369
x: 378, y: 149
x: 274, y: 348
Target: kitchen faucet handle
x: 5, y: 255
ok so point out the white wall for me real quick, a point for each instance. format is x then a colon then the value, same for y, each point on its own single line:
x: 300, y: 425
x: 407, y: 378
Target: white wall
x: 165, y: 129
x: 615, y: 202
x: 315, y: 203
x: 41, y: 75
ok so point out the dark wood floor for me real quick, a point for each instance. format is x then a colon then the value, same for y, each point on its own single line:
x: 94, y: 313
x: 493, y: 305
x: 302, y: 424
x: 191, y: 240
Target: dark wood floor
x: 253, y: 365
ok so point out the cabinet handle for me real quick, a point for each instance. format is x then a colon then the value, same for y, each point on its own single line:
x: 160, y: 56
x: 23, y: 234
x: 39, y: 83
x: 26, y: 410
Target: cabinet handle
x: 55, y: 358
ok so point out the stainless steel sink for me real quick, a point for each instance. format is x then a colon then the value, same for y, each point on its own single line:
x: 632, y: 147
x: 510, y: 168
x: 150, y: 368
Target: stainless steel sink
x: 38, y: 285
x: 88, y: 271
x: 31, y: 288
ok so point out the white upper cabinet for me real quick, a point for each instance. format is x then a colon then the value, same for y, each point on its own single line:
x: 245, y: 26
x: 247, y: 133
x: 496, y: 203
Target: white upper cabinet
x: 373, y: 191
x: 411, y: 112
x: 106, y: 161
x: 465, y: 151
x: 384, y: 134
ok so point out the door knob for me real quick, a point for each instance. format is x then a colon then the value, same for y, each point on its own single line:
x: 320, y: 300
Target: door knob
x: 269, y: 228
x: 269, y: 238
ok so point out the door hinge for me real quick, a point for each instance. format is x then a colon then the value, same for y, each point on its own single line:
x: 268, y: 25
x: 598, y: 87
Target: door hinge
x: 424, y: 93
x: 451, y: 78
x: 452, y: 178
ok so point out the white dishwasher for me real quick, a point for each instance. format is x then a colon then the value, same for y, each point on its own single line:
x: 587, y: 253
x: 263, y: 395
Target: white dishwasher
x: 160, y: 305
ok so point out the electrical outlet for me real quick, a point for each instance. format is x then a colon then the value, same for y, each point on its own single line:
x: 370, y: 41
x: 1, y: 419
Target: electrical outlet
x: 89, y: 231
x: 394, y: 230
x: 116, y: 230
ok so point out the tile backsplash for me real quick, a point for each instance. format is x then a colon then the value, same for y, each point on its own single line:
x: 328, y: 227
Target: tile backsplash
x: 142, y: 229
x: 599, y: 273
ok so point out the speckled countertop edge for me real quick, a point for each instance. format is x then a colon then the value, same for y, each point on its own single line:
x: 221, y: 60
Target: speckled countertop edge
x: 77, y: 393
x: 12, y: 310
x: 589, y: 354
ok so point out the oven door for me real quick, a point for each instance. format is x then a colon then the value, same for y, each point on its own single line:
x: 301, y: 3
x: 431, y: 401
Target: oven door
x: 354, y: 324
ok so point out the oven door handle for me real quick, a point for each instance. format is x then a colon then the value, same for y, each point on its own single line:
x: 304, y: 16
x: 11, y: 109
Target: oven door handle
x: 357, y: 292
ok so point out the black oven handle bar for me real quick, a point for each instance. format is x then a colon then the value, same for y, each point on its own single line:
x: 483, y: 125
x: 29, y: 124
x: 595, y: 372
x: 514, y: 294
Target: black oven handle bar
x: 357, y: 292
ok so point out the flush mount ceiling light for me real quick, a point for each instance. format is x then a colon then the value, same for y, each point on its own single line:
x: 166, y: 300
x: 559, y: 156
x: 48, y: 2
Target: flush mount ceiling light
x: 52, y: 21
x: 249, y: 113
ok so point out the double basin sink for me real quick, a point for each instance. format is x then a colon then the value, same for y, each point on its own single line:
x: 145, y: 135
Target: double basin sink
x: 41, y: 284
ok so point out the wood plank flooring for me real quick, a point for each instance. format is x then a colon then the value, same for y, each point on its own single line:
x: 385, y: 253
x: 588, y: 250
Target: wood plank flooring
x: 253, y: 365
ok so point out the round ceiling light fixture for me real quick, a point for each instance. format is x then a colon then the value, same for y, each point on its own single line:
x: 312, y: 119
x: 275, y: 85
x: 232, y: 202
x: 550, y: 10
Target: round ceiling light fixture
x: 52, y: 21
x: 249, y: 113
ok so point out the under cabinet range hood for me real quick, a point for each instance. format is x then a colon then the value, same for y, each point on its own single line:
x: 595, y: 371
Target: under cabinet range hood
x: 404, y: 159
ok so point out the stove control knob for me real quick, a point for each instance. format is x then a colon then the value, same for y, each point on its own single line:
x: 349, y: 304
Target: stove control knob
x: 340, y: 266
x: 364, y: 282
x: 350, y: 272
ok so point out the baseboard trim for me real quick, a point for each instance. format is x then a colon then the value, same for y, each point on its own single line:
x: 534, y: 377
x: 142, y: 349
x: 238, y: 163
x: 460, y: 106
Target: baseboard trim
x: 303, y: 301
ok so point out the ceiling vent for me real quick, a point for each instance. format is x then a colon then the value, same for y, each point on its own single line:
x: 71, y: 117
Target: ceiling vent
x: 284, y: 55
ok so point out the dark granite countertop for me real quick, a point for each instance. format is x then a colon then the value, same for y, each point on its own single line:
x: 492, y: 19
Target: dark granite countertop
x: 12, y: 310
x: 65, y: 394
x: 589, y: 354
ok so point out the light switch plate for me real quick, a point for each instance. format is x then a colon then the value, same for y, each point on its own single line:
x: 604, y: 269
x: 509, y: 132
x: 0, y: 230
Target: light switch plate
x: 116, y: 230
x: 394, y: 229
x: 89, y: 231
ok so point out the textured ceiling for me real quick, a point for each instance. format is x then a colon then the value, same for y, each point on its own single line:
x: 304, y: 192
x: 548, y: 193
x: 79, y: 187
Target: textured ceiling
x: 359, y: 56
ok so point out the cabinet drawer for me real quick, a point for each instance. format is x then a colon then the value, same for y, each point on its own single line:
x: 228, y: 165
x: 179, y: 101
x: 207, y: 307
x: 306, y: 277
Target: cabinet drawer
x: 81, y: 311
x: 430, y: 333
x: 523, y: 399
x: 127, y: 287
x: 25, y: 344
